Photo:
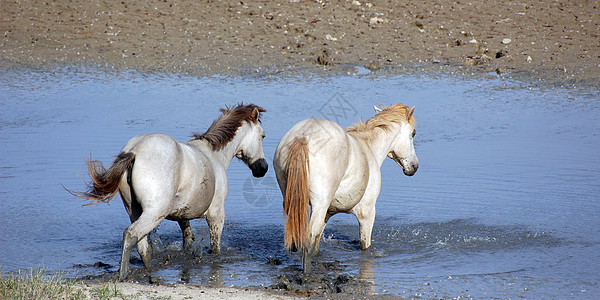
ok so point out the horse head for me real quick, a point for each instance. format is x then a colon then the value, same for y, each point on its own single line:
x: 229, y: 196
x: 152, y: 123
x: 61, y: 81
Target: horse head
x: 250, y: 149
x: 402, y: 149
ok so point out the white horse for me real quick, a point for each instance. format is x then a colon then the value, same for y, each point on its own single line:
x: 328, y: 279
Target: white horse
x: 160, y: 178
x: 335, y: 170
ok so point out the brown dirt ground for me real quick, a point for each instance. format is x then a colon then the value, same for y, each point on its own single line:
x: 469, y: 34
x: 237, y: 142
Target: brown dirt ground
x: 556, y: 40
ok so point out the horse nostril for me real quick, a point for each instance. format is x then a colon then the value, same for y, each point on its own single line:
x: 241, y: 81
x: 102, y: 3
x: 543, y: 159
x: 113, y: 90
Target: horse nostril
x: 259, y: 167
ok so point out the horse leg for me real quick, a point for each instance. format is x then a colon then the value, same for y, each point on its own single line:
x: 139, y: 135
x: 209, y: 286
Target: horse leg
x: 215, y: 218
x: 365, y: 214
x: 134, y: 209
x: 316, y: 226
x: 188, y: 235
x: 134, y: 234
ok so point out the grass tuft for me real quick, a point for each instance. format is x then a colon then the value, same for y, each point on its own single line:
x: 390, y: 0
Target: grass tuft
x: 34, y: 284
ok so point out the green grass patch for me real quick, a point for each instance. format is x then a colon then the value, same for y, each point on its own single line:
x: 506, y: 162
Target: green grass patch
x: 35, y: 284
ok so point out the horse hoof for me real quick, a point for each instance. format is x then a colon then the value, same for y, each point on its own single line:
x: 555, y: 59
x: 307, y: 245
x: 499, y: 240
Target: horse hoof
x: 306, y: 269
x: 123, y: 274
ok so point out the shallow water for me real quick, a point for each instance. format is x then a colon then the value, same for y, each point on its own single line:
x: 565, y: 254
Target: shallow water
x: 505, y: 203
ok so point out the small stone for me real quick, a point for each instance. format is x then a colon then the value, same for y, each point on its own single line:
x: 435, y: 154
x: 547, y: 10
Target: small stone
x: 473, y: 41
x: 323, y: 59
x: 154, y: 280
x: 506, y: 41
x: 330, y: 38
x: 373, y: 66
x: 485, y: 58
x: 500, y: 53
x: 529, y: 59
x: 377, y: 20
x: 472, y: 61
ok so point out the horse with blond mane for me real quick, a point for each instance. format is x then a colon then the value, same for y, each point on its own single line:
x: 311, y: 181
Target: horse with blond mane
x: 333, y: 170
x: 160, y: 178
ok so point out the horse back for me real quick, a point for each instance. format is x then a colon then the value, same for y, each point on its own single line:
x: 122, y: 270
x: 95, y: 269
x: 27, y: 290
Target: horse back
x: 337, y: 163
x: 170, y: 174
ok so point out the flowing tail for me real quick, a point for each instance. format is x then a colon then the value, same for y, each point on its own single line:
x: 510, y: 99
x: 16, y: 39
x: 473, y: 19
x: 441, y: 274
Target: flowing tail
x: 295, y: 202
x: 105, y: 183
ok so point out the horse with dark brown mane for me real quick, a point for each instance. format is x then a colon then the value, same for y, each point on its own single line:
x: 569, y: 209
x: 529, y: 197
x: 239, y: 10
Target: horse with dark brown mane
x: 160, y: 178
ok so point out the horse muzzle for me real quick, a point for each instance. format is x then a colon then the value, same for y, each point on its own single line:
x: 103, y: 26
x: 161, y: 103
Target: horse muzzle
x: 408, y: 167
x: 259, y: 167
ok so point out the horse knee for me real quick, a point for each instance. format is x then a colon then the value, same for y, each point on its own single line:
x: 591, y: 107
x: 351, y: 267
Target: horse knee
x: 129, y: 239
x: 317, y: 226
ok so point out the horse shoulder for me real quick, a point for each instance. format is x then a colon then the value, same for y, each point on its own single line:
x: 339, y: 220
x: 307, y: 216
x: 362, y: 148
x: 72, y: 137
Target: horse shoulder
x: 197, y: 167
x: 196, y: 184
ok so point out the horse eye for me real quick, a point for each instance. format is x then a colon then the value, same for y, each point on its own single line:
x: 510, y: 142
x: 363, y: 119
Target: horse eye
x: 263, y: 136
x: 414, y: 132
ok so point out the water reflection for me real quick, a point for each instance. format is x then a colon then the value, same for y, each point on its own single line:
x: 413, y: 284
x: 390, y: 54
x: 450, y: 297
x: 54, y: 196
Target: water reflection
x: 366, y: 274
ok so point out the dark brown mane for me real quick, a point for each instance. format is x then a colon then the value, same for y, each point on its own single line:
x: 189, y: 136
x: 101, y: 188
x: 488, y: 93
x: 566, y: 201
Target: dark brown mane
x: 223, y: 129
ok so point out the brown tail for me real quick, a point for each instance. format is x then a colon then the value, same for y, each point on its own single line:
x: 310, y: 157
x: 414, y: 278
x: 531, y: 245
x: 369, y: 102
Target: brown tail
x: 105, y: 183
x: 295, y: 202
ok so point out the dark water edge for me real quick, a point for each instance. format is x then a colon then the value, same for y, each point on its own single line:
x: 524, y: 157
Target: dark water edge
x: 504, y: 204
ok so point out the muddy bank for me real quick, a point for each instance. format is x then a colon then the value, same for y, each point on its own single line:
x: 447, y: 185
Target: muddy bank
x: 175, y: 291
x: 328, y: 279
x: 286, y: 286
x: 558, y: 41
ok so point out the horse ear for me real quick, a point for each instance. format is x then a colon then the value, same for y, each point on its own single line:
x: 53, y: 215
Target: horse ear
x: 255, y: 114
x: 410, y: 113
x: 377, y: 109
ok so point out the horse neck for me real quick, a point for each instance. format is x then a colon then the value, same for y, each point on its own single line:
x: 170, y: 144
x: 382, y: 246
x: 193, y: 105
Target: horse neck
x: 223, y: 155
x: 378, y: 141
x: 227, y: 153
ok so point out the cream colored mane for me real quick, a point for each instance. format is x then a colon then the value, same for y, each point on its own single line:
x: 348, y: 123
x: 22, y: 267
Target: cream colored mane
x: 396, y: 113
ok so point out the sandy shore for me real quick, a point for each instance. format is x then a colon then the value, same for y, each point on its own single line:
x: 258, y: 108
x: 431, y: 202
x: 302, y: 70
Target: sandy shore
x: 557, y: 40
x: 178, y: 292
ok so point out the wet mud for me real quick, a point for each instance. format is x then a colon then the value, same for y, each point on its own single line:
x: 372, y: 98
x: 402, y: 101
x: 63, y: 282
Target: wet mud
x: 280, y: 271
